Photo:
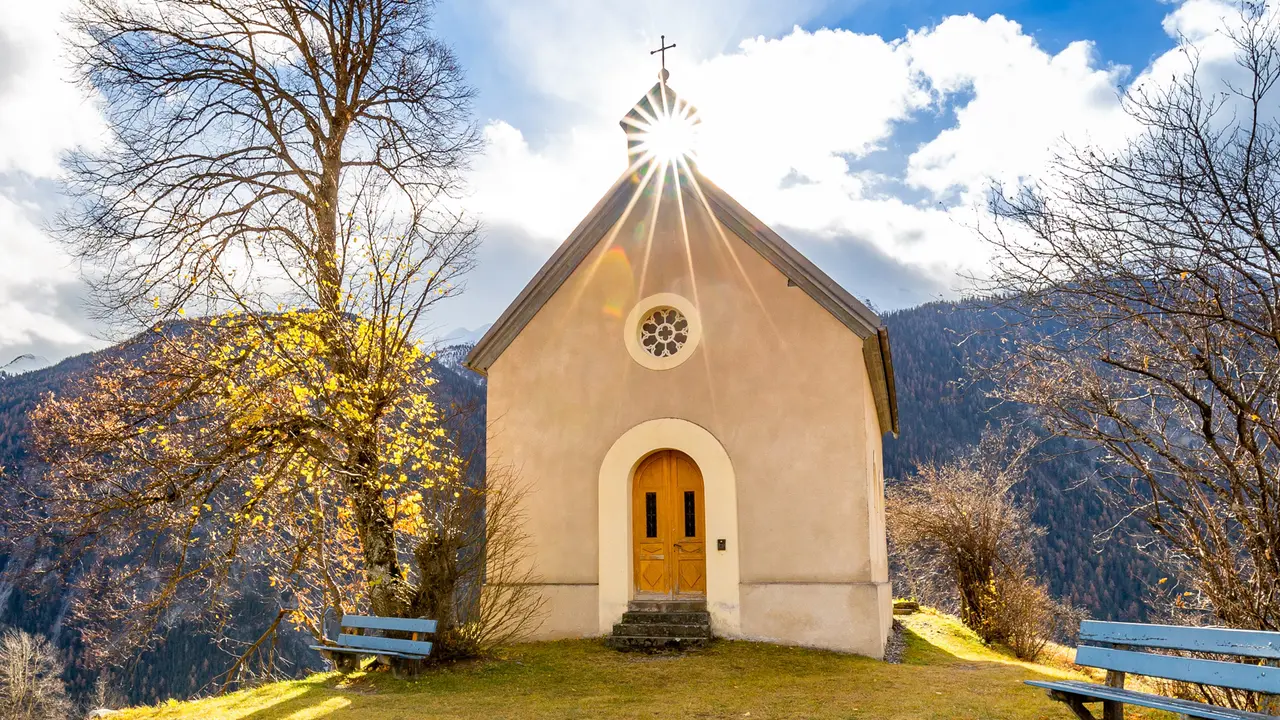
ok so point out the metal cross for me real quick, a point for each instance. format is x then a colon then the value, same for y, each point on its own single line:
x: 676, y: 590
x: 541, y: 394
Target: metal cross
x: 665, y: 47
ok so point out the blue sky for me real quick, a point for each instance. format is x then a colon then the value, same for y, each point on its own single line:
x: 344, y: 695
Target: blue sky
x: 1124, y: 32
x: 865, y: 132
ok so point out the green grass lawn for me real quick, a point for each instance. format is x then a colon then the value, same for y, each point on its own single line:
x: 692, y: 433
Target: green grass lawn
x: 947, y: 673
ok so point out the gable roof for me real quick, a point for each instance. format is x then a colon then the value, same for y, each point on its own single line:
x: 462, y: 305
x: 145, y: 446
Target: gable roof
x: 798, y: 269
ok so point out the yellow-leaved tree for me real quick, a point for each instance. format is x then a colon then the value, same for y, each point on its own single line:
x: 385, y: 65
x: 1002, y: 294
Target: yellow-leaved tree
x: 274, y: 209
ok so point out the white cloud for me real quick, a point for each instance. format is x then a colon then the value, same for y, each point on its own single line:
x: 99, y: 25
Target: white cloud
x: 547, y: 190
x: 34, y: 281
x: 796, y: 105
x: 787, y: 120
x: 592, y: 54
x: 43, y: 114
x: 1023, y: 101
x: 838, y: 136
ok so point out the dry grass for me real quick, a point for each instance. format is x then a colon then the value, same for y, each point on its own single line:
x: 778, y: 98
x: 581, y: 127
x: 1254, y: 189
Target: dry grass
x: 947, y: 673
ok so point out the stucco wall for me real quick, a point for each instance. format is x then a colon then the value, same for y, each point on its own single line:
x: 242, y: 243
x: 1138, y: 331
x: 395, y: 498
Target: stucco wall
x: 776, y: 379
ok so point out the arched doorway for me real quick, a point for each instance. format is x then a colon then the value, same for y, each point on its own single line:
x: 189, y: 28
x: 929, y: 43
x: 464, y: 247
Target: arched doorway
x: 669, y: 527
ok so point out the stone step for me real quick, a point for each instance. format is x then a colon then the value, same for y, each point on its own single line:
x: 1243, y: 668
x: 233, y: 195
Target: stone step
x: 639, y: 643
x: 661, y: 630
x: 667, y: 605
x: 667, y: 618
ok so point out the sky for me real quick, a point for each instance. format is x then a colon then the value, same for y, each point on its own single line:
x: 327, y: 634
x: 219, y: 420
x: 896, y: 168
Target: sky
x: 866, y: 132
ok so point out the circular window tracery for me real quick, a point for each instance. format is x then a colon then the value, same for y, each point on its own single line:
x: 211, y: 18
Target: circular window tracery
x: 664, y: 331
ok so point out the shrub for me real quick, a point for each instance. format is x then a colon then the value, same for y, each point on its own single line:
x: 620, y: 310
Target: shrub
x: 957, y: 526
x: 1028, y: 617
x: 31, y: 686
x: 472, y: 574
x: 963, y: 540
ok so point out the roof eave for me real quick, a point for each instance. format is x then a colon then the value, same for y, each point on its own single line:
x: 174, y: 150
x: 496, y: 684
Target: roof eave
x: 789, y: 261
x: 551, y: 275
x: 778, y: 252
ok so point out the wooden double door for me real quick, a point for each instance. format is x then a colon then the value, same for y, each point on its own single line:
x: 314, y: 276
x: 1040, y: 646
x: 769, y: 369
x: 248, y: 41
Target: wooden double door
x: 668, y: 526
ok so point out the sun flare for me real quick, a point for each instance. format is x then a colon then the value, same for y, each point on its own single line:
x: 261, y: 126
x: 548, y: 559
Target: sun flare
x: 670, y: 137
x: 662, y: 128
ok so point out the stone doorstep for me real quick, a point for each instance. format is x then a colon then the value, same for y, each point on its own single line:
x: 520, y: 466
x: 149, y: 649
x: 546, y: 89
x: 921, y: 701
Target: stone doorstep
x: 666, y: 618
x: 667, y: 605
x: 661, y: 630
x: 664, y: 624
x: 629, y: 643
x: 653, y: 624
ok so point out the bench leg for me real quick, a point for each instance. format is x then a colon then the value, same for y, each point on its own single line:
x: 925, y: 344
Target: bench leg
x: 404, y: 668
x: 1112, y: 710
x: 1075, y: 702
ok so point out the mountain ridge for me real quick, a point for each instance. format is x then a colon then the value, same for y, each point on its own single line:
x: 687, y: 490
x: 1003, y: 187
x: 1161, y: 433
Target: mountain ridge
x: 941, y: 410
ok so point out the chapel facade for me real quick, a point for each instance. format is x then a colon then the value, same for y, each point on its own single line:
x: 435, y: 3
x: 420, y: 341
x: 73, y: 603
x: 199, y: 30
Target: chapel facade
x: 697, y: 412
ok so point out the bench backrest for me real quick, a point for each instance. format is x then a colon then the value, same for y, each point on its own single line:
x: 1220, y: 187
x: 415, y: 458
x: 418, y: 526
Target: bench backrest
x: 373, y: 622
x: 1097, y: 641
x: 362, y: 623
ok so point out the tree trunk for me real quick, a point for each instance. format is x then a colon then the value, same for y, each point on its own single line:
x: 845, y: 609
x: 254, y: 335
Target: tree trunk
x: 373, y: 523
x: 382, y: 570
x: 974, y: 585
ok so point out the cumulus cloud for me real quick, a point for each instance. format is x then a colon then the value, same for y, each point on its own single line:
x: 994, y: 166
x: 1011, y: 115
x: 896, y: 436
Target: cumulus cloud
x: 788, y: 121
x: 799, y: 104
x: 40, y: 311
x: 871, y: 153
x: 43, y: 115
x: 1021, y: 102
x: 543, y: 190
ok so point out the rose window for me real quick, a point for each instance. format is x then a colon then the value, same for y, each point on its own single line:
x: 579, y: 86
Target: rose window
x: 663, y: 332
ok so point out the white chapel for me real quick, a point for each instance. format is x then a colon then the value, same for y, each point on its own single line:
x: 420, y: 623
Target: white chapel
x: 697, y: 411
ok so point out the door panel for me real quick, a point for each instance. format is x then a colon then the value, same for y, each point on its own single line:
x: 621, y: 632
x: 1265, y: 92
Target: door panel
x: 651, y: 535
x: 668, y: 514
x: 690, y: 545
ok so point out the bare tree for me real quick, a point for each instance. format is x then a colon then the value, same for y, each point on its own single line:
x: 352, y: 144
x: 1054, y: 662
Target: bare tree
x: 960, y: 532
x: 1141, y: 286
x: 31, y: 686
x: 471, y: 568
x: 282, y: 169
x: 106, y: 697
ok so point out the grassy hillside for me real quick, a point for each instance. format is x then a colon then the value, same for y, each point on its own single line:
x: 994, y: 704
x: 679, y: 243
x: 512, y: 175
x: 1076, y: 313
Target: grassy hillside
x: 947, y: 673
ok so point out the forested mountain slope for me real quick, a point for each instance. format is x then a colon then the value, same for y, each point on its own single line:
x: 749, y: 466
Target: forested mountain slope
x: 188, y: 660
x: 940, y: 411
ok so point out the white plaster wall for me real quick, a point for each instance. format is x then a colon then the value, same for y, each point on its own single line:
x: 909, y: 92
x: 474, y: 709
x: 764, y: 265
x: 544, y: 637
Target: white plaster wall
x: 776, y: 381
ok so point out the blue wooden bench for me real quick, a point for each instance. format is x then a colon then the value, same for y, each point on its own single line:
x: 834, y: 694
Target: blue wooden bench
x: 1117, y: 648
x: 359, y: 642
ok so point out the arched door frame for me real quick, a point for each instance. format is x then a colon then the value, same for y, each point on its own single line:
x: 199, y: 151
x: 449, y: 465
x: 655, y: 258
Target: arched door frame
x: 617, y: 471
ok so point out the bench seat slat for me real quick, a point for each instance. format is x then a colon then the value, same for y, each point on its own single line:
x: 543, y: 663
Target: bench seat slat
x: 1090, y: 691
x: 1247, y: 643
x: 370, y: 622
x: 362, y: 651
x: 373, y: 642
x: 1258, y: 678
